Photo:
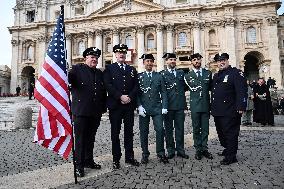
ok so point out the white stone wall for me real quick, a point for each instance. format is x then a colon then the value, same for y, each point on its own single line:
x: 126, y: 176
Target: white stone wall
x: 106, y: 18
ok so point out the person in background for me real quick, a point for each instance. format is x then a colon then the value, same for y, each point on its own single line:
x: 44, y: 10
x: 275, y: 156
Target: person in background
x: 246, y: 118
x: 262, y: 113
x: 18, y: 90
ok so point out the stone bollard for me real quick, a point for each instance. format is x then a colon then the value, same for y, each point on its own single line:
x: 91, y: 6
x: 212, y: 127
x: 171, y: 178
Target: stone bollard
x: 23, y: 117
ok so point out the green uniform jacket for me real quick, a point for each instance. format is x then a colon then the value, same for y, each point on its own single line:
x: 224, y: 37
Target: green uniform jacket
x: 152, y: 93
x: 199, y: 90
x: 175, y: 87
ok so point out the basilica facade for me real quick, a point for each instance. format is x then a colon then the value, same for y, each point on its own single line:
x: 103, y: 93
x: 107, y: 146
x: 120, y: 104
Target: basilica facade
x: 246, y: 29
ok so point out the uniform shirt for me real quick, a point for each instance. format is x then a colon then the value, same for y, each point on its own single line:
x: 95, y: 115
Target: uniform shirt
x: 229, y: 93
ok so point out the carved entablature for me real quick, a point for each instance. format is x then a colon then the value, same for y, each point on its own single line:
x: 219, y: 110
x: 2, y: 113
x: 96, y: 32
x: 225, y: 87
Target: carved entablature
x: 272, y: 20
x: 213, y: 24
x: 15, y: 42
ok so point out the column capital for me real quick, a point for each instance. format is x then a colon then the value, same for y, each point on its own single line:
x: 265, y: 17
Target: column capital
x: 89, y: 33
x: 41, y: 38
x: 99, y: 32
x: 159, y: 27
x: 230, y: 21
x: 15, y: 42
x: 196, y: 25
x: 140, y: 29
x: 115, y: 31
x: 272, y: 20
x: 69, y: 36
x: 170, y: 28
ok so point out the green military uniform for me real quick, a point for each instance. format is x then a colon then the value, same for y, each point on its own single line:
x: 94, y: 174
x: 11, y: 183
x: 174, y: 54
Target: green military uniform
x: 152, y: 97
x: 174, y: 119
x: 199, y: 87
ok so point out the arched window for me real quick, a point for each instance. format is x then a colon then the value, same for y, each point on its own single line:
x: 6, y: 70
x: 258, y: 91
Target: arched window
x: 251, y: 35
x: 129, y: 41
x: 81, y: 47
x: 182, y: 39
x: 30, y: 52
x: 212, y: 38
x: 150, y: 41
x: 108, y: 45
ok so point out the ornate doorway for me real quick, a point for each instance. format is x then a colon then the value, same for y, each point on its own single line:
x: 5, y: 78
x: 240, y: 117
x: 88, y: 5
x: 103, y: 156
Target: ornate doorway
x: 253, y: 61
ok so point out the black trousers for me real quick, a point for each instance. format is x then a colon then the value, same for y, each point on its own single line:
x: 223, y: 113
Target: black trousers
x: 85, y: 128
x: 228, y: 129
x: 116, y: 116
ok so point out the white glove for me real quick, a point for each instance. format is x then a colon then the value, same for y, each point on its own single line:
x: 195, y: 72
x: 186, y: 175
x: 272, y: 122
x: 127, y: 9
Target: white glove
x: 141, y: 111
x: 164, y: 111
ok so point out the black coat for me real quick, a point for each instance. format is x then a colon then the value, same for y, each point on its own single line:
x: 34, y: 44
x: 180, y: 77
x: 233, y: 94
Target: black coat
x: 120, y: 82
x: 263, y: 112
x: 88, y: 91
x: 229, y: 93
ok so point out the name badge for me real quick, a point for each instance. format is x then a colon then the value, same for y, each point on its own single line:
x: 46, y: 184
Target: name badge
x: 226, y: 79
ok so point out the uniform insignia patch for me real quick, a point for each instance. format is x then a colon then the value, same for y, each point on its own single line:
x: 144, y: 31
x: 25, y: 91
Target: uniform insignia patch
x: 226, y: 79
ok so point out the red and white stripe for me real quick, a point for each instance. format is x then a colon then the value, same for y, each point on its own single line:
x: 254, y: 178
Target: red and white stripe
x: 54, y: 123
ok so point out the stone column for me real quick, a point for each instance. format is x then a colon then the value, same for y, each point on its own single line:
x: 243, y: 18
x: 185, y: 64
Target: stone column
x: 274, y: 54
x: 41, y: 52
x: 259, y: 31
x: 99, y: 44
x: 160, y: 48
x: 115, y: 41
x: 231, y: 41
x: 140, y: 47
x: 14, y: 66
x: 90, y: 38
x: 170, y: 39
x: 196, y: 38
x: 69, y: 49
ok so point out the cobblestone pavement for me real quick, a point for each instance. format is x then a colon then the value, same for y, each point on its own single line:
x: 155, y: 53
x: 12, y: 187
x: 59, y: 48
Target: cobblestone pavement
x: 261, y: 163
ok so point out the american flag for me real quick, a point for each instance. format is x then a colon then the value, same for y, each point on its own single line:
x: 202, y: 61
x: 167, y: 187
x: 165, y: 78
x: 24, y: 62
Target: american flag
x: 54, y: 127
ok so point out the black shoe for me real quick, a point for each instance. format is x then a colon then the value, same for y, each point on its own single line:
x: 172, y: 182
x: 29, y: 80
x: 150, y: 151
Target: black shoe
x: 163, y: 159
x: 144, y: 160
x: 228, y: 161
x: 93, y: 165
x: 185, y: 156
x: 198, y: 155
x: 80, y: 172
x: 244, y: 124
x: 207, y: 154
x: 249, y: 123
x: 132, y: 161
x: 116, y: 165
x: 171, y: 156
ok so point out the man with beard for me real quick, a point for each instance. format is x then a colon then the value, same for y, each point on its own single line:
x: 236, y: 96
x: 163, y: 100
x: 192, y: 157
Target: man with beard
x: 199, y: 82
x: 122, y: 86
x: 263, y: 113
x: 229, y: 101
x: 88, y: 104
x: 152, y: 102
x: 174, y: 119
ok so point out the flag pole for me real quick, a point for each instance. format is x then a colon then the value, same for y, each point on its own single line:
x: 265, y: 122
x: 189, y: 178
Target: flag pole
x: 72, y: 133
